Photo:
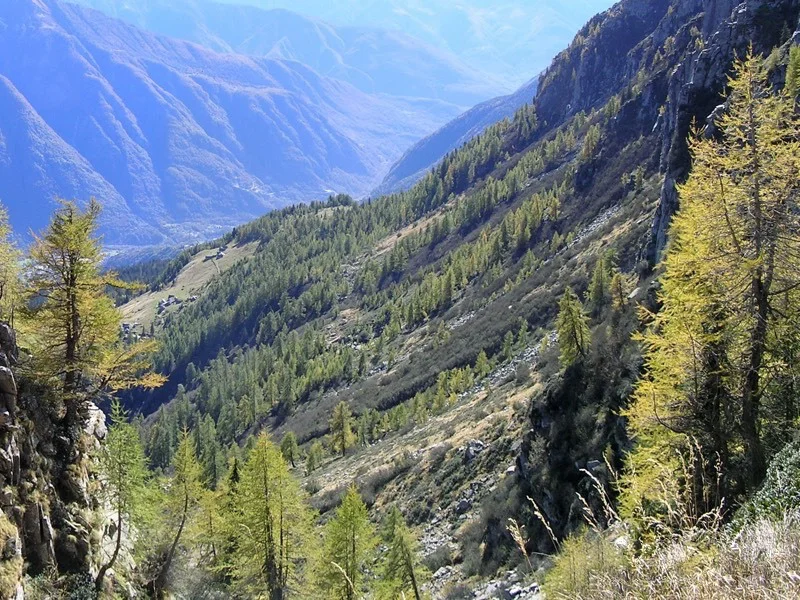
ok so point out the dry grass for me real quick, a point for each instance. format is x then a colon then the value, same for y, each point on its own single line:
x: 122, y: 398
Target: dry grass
x: 760, y: 563
x: 692, y: 557
x: 190, y: 281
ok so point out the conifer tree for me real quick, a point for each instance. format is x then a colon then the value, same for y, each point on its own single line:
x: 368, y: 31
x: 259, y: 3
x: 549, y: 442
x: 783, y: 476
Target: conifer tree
x: 793, y: 73
x: 482, y: 366
x: 600, y: 286
x: 125, y: 474
x: 572, y: 327
x: 9, y: 270
x: 730, y: 284
x: 183, y: 499
x: 289, y: 448
x: 401, y: 568
x: 618, y: 291
x: 349, y: 542
x: 342, y: 436
x: 76, y: 324
x: 273, y: 522
x: 315, y: 455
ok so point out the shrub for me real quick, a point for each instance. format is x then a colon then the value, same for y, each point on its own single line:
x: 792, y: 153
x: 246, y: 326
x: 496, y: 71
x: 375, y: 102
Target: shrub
x: 459, y: 591
x: 584, y: 558
x: 441, y: 557
x: 10, y: 560
x: 780, y: 492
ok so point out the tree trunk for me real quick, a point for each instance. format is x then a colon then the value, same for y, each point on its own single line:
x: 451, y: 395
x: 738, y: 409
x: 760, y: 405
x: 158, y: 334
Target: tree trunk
x: 751, y: 394
x: 160, y: 582
x: 101, y: 574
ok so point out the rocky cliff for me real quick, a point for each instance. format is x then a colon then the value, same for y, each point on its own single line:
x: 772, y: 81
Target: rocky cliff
x: 48, y: 483
x: 666, y: 65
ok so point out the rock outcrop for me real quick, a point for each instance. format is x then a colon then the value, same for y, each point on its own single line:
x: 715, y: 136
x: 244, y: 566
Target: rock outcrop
x: 728, y: 28
x: 47, y: 501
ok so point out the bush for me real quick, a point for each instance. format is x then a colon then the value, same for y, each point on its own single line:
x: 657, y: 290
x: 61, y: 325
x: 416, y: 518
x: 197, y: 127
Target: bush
x: 11, y: 559
x: 584, y: 558
x: 459, y: 591
x: 780, y: 492
x: 441, y: 557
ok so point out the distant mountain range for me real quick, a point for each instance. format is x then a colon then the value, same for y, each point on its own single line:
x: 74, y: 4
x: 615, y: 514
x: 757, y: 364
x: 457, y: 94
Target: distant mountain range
x: 188, y: 117
x: 512, y: 39
x: 373, y: 60
x: 177, y: 141
x: 429, y: 151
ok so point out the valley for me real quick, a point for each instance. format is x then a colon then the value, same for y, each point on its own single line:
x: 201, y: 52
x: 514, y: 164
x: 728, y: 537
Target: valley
x: 553, y: 357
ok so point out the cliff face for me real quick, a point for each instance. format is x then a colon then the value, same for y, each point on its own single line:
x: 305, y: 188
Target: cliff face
x: 693, y: 43
x: 697, y: 84
x: 667, y: 64
x: 47, y: 482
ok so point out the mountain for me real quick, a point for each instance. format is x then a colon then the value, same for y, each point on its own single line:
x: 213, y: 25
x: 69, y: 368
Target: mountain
x: 511, y: 39
x: 426, y: 153
x: 432, y: 312
x: 467, y: 355
x: 373, y: 60
x: 178, y: 142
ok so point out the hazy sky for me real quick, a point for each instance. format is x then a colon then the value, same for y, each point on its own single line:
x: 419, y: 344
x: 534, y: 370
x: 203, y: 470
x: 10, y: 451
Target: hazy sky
x: 513, y: 38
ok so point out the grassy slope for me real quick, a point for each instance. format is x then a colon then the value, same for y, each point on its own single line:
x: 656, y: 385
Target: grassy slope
x: 191, y: 281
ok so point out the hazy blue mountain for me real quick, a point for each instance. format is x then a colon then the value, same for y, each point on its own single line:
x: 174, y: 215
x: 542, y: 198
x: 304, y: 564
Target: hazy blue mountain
x: 430, y: 150
x: 511, y: 38
x: 178, y: 141
x: 373, y: 60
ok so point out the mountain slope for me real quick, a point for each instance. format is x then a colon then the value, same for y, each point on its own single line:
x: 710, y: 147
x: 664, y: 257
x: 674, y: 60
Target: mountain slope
x: 373, y: 60
x: 431, y: 312
x: 179, y: 141
x: 429, y: 151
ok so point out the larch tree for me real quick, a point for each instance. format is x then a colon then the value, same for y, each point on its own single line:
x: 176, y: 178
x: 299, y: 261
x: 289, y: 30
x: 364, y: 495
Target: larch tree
x: 402, y: 571
x: 342, y: 436
x: 715, y: 352
x: 273, y: 525
x: 572, y: 326
x: 289, y: 448
x: 349, y: 544
x: 316, y: 453
x: 600, y: 286
x: 793, y: 73
x: 184, y: 497
x: 125, y: 476
x: 76, y: 327
x: 9, y: 270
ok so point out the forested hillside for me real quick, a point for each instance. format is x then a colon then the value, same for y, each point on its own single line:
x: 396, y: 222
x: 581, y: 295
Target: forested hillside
x: 563, y: 363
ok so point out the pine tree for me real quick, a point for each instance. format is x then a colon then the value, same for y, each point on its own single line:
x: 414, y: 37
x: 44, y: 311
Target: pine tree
x: 125, y: 473
x: 349, y: 542
x: 572, y: 327
x: 273, y: 522
x: 342, y: 437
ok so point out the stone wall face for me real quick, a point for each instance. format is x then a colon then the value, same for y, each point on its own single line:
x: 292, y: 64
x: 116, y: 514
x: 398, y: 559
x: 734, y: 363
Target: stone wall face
x: 48, y: 506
